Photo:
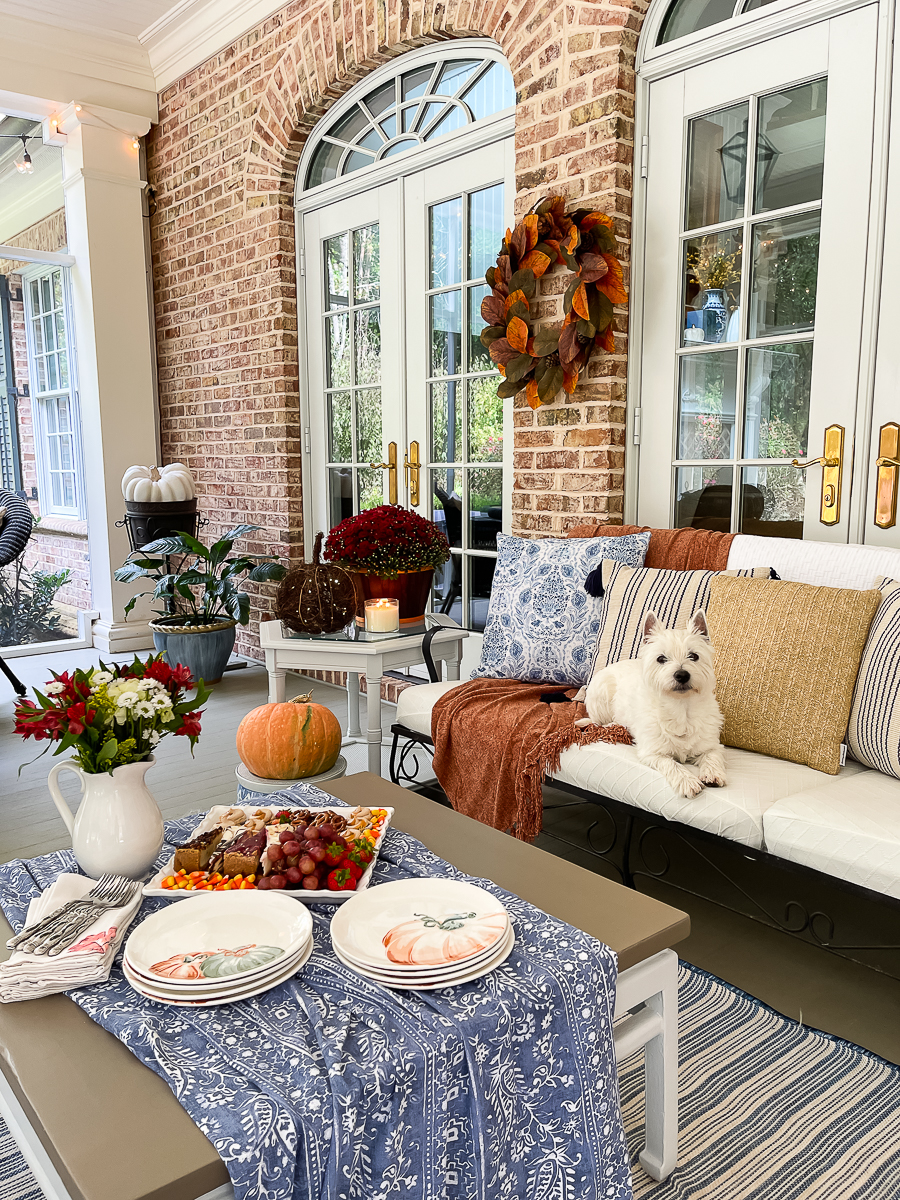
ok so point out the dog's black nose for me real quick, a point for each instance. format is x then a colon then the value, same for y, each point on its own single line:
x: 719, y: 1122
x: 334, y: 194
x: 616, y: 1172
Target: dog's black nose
x: 682, y: 676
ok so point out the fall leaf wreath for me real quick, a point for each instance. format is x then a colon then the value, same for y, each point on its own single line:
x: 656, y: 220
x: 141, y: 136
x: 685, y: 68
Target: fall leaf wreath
x: 551, y: 359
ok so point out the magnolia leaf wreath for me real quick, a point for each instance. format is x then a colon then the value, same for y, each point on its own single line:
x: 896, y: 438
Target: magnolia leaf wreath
x: 551, y: 359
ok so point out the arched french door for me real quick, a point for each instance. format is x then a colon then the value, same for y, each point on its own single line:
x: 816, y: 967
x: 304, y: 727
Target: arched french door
x: 756, y: 251
x: 404, y: 193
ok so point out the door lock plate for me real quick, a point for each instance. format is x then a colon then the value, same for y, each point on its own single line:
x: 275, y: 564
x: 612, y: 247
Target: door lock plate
x: 832, y: 464
x: 888, y: 472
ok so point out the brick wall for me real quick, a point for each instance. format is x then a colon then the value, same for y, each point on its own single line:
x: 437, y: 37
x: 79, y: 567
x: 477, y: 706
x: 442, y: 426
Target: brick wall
x: 221, y: 165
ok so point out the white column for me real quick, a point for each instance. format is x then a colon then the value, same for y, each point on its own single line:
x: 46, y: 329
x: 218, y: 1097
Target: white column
x: 113, y: 331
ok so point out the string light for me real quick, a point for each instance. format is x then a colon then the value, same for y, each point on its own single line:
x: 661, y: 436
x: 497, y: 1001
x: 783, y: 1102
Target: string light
x: 136, y: 143
x: 26, y: 166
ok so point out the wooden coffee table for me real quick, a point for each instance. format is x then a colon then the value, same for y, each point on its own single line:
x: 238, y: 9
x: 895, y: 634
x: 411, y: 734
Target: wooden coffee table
x: 95, y: 1124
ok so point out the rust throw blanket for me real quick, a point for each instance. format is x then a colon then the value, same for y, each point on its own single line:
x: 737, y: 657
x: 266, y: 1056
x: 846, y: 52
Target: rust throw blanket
x: 495, y: 740
x: 671, y: 549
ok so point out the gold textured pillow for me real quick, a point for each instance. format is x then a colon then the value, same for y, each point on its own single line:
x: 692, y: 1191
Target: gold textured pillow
x: 787, y: 655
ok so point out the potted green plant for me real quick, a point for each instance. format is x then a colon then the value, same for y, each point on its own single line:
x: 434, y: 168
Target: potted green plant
x: 393, y: 552
x: 201, y: 600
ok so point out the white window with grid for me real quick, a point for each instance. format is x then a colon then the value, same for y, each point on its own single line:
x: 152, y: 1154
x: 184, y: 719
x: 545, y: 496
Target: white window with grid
x: 51, y: 367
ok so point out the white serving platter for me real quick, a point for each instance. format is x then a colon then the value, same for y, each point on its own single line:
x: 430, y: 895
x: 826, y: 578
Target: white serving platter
x: 319, y: 896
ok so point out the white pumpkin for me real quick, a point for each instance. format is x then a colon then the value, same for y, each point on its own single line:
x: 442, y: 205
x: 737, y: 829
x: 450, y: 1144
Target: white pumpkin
x: 155, y: 485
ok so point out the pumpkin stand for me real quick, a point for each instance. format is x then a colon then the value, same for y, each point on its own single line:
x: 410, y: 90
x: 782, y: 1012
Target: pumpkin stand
x: 159, y: 502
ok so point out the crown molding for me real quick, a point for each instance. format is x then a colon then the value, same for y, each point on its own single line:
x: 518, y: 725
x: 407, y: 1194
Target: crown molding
x: 193, y: 31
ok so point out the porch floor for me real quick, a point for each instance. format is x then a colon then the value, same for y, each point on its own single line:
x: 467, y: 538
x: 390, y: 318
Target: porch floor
x: 822, y: 990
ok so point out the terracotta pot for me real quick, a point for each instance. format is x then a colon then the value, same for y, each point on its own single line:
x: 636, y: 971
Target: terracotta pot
x: 411, y: 588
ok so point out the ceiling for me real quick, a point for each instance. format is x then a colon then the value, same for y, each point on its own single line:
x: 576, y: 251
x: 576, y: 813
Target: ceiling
x: 121, y: 18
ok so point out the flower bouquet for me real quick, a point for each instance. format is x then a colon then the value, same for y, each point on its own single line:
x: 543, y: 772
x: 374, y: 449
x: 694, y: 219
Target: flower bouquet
x: 113, y: 715
x: 394, y: 552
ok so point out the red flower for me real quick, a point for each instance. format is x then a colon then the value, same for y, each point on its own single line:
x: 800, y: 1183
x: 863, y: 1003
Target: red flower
x: 79, y: 716
x: 158, y: 669
x: 190, y: 724
x: 182, y: 676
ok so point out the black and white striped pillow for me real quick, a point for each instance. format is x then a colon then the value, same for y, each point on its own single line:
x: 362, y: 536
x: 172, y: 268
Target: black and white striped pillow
x: 630, y: 593
x: 874, y: 732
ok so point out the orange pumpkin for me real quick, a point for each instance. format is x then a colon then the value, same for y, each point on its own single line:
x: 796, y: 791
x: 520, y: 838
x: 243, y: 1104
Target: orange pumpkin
x: 289, y: 741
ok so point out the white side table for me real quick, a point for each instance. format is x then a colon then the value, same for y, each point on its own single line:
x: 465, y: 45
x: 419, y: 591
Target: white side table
x: 285, y: 654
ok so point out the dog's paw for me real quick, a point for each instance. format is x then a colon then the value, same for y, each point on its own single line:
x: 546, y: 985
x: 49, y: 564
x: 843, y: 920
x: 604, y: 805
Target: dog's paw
x: 688, y: 785
x: 583, y: 722
x: 713, y: 779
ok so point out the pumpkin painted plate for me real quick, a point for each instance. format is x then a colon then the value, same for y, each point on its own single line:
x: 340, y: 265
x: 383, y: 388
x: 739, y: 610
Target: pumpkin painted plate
x: 320, y: 896
x: 253, y: 987
x: 220, y: 938
x: 451, y: 977
x: 415, y: 923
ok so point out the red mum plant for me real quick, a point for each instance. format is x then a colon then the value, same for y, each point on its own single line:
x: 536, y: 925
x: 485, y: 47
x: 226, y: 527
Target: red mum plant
x: 385, y: 541
x: 111, y: 715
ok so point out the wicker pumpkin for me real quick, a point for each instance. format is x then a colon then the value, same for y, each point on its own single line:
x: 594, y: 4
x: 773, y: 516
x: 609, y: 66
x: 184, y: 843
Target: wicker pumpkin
x: 289, y: 741
x: 316, y: 597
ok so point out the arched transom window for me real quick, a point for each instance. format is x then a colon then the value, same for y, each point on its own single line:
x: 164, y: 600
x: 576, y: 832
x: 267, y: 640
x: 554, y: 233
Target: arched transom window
x: 690, y: 16
x: 447, y: 92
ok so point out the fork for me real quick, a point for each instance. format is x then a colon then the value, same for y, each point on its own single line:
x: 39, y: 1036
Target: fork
x: 62, y: 937
x: 110, y: 892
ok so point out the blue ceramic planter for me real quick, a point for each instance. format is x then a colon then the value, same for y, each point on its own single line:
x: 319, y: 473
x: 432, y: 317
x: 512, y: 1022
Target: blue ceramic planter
x: 204, y: 652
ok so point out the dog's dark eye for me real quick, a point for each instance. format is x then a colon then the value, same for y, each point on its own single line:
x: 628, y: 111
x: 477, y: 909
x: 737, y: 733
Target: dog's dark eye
x: 693, y: 657
x: 662, y: 658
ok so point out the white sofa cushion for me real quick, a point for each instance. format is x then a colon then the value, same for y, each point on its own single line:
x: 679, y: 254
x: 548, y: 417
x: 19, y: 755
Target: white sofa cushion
x: 849, y: 828
x: 755, y: 783
x: 874, y: 732
x: 825, y: 564
x: 414, y: 704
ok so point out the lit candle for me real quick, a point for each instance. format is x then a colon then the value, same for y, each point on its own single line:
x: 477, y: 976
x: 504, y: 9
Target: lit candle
x: 382, y: 616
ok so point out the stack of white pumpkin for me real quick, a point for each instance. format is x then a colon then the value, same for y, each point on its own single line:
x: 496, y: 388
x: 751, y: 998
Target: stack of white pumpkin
x: 158, y: 485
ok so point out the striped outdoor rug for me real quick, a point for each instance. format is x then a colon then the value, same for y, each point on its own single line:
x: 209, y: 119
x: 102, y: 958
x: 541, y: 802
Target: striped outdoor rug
x: 769, y: 1110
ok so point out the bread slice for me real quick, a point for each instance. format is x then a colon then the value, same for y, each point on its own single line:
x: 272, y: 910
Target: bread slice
x: 195, y: 854
x: 242, y: 857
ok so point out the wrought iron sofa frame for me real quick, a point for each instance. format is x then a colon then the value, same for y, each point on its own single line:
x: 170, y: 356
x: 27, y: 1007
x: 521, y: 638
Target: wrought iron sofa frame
x: 842, y: 918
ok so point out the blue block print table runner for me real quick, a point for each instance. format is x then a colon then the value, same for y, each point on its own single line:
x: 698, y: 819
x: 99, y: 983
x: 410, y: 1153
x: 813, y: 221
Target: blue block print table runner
x: 331, y: 1087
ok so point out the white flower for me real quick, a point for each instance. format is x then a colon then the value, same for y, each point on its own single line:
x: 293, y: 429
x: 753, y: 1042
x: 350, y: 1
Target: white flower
x: 54, y: 689
x: 147, y: 733
x: 121, y: 714
x: 166, y: 714
x: 101, y: 676
x: 161, y: 702
x: 127, y: 700
x: 154, y: 737
x: 144, y: 708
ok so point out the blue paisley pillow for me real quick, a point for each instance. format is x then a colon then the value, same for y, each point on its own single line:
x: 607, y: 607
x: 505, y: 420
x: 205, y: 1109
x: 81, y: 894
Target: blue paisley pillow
x: 542, y: 625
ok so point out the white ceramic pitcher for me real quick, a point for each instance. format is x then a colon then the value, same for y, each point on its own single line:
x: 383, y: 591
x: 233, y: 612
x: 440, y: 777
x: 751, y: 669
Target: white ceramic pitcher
x: 118, y: 826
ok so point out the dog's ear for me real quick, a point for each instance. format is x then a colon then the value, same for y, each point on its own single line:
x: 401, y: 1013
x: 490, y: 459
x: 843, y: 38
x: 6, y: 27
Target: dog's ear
x: 651, y: 626
x: 697, y: 624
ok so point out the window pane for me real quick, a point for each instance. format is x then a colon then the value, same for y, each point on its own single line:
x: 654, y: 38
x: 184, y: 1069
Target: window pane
x: 371, y: 488
x: 485, y: 506
x: 712, y: 287
x: 485, y: 229
x: 415, y: 83
x: 62, y: 411
x: 772, y: 501
x: 389, y: 125
x: 454, y: 118
x: 367, y: 323
x: 340, y: 495
x: 368, y: 425
x: 790, y: 147
x: 717, y: 167
x: 60, y: 330
x: 481, y: 577
x: 776, y: 423
x: 485, y: 421
x: 59, y: 499
x: 688, y: 16
x: 785, y: 263
x: 372, y: 140
x: 49, y: 331
x: 446, y: 421
x: 35, y: 296
x: 65, y: 454
x: 337, y: 349
x: 37, y: 331
x: 454, y: 74
x: 337, y: 271
x: 706, y: 408
x: 62, y: 359
x: 53, y: 447
x: 479, y: 356
x: 356, y: 160
x: 492, y: 93
x: 703, y: 497
x: 69, y: 491
x: 428, y: 114
x: 57, y: 289
x: 52, y: 380
x: 350, y: 125
x: 446, y: 243
x: 381, y: 99
x: 324, y: 165
x: 340, y: 434
x: 366, y: 265
x: 446, y: 333
x: 46, y: 295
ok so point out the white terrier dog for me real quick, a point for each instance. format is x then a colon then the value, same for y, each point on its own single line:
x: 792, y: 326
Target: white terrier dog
x: 666, y: 700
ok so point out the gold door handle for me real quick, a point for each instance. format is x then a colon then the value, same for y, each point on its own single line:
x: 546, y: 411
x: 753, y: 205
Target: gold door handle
x: 832, y: 463
x: 886, y: 482
x: 391, y: 467
x: 411, y: 467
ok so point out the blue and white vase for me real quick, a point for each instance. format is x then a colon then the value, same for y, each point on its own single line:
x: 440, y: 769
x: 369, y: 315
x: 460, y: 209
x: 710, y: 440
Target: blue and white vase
x: 714, y: 314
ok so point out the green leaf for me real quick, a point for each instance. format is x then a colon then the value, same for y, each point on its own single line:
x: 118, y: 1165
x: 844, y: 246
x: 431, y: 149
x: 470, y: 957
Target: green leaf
x: 167, y: 545
x: 523, y: 281
x: 601, y: 310
x: 585, y: 329
x: 239, y: 531
x: 220, y: 550
x: 108, y: 751
x: 266, y: 572
x: 570, y: 292
x: 546, y: 342
x: 518, y: 368
x: 551, y: 383
x: 507, y: 388
x: 518, y: 310
x: 491, y: 332
x: 195, y: 547
x: 489, y: 276
x: 129, y: 572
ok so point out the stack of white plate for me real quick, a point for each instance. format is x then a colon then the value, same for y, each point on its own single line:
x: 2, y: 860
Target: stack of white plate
x: 422, y: 934
x: 208, y: 953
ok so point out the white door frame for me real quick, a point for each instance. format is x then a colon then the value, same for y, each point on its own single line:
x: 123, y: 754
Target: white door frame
x: 656, y: 62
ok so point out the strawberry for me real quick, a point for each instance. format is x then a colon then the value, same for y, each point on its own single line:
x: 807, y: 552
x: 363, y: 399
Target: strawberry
x: 340, y: 880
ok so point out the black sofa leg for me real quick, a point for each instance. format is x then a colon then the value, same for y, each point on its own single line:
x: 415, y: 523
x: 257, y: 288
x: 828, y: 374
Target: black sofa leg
x: 17, y: 683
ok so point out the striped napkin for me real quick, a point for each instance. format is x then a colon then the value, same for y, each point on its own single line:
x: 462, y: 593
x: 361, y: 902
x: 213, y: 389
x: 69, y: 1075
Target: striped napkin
x: 88, y: 960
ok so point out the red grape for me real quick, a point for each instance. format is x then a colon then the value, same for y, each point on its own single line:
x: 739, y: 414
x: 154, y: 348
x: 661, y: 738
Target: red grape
x: 262, y: 885
x: 276, y: 881
x: 306, y: 865
x: 291, y: 860
x: 291, y: 848
x: 326, y: 832
x: 312, y: 832
x: 311, y: 882
x: 317, y: 852
x: 293, y: 875
x: 286, y: 835
x: 275, y: 853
